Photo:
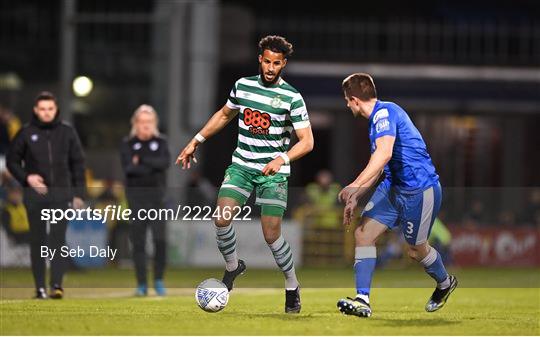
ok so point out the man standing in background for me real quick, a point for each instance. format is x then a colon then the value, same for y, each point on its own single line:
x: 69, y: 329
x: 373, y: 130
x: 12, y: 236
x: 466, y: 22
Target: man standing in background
x: 46, y: 157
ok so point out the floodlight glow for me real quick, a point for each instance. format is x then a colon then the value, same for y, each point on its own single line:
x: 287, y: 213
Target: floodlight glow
x: 82, y: 86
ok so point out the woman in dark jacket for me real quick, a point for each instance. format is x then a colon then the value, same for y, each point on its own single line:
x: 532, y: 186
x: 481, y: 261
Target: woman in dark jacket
x: 46, y: 157
x: 145, y: 159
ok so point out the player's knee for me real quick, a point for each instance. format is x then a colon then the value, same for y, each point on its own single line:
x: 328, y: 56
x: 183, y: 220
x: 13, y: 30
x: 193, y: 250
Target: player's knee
x: 415, y: 253
x: 222, y: 222
x: 363, y: 238
x: 270, y: 235
x: 271, y: 238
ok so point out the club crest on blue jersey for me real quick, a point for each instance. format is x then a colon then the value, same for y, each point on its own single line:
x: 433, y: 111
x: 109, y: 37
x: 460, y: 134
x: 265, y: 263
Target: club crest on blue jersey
x: 383, y: 113
x: 382, y: 125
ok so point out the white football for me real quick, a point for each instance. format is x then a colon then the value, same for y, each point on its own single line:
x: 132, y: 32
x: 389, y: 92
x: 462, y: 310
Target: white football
x: 212, y: 295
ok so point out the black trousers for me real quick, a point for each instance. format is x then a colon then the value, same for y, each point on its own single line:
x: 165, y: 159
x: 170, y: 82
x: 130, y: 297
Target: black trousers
x: 138, y: 232
x: 54, y: 239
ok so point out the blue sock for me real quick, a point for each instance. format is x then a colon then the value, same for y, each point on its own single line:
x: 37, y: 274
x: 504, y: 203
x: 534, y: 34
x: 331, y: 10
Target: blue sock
x: 364, y: 265
x: 434, y: 266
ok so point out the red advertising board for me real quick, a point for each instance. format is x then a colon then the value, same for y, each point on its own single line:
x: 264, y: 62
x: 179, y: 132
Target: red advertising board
x: 498, y: 246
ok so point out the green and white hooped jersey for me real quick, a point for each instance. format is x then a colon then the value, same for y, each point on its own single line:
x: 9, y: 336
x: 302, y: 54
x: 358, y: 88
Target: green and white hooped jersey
x: 266, y: 119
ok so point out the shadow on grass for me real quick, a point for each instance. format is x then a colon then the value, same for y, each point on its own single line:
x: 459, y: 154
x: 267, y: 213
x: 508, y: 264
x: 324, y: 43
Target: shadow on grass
x: 410, y: 322
x: 279, y: 316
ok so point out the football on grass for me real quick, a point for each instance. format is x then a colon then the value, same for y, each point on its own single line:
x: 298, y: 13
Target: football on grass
x: 212, y: 295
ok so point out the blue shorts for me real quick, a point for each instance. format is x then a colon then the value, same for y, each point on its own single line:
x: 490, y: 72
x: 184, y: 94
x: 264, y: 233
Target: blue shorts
x: 414, y: 212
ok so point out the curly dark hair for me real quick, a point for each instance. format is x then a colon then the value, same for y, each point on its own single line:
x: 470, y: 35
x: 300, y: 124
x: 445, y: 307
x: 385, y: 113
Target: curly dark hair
x: 277, y: 44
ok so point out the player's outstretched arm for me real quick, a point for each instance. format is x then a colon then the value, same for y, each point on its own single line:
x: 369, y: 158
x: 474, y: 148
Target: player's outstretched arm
x: 372, y: 171
x: 301, y: 148
x: 217, y: 122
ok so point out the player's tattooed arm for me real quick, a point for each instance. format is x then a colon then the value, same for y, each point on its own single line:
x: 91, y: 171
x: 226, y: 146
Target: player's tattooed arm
x: 301, y: 148
x: 217, y: 122
x: 372, y: 171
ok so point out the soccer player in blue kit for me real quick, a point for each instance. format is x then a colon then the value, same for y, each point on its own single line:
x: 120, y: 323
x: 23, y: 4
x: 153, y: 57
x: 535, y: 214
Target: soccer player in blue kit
x: 409, y: 196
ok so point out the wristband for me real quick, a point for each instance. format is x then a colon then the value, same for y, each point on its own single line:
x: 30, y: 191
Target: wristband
x: 198, y: 137
x: 285, y: 158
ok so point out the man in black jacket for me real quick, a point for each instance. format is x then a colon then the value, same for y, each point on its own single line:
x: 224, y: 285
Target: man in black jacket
x: 46, y: 157
x: 145, y: 159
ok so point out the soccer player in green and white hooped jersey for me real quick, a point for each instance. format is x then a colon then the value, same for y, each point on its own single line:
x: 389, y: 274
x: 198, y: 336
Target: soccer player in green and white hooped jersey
x: 268, y: 109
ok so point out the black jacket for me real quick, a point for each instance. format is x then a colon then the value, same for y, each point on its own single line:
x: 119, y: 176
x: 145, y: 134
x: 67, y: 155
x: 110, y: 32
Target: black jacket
x: 148, y: 176
x: 52, y: 150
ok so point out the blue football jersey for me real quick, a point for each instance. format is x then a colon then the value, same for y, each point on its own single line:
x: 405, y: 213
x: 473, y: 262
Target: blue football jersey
x: 410, y: 168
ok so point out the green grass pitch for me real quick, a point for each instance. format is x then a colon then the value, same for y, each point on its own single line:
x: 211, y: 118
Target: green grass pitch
x: 487, y: 302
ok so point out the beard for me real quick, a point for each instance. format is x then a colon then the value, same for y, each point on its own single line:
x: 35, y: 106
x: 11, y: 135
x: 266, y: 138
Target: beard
x: 263, y: 79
